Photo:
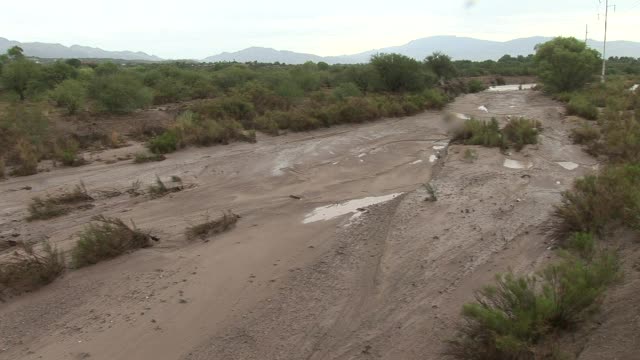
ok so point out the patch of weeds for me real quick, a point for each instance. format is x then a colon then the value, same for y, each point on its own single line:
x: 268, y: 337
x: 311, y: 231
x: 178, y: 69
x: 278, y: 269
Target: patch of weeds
x: 50, y: 207
x: 28, y: 160
x: 598, y: 202
x: 517, y: 133
x: 160, y: 189
x: 107, y: 238
x: 470, y: 155
x: 431, y: 190
x: 213, y: 227
x: 581, y: 106
x: 145, y: 158
x: 477, y: 132
x: 521, y: 132
x: 585, y: 135
x: 71, y: 158
x: 135, y: 189
x: 29, y: 269
x: 509, y: 318
x: 2, y: 168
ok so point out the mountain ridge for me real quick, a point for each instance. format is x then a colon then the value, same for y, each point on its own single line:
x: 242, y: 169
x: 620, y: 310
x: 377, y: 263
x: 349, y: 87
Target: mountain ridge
x: 54, y: 50
x: 458, y: 47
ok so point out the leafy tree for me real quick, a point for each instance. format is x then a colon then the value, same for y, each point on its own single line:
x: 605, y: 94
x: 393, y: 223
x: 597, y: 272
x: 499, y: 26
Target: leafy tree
x: 565, y: 64
x: 58, y: 72
x: 15, y: 53
x: 70, y: 94
x: 323, y: 66
x: 441, y: 65
x: 121, y: 92
x: 76, y: 63
x: 399, y: 72
x: 19, y: 75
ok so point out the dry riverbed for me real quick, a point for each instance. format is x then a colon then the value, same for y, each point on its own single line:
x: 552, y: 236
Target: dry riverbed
x: 337, y: 255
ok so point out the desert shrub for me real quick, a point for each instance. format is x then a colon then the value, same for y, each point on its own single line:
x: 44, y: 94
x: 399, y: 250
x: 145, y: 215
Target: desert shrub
x: 585, y: 134
x: 477, y: 132
x: 30, y: 269
x: 581, y: 106
x: 356, y: 110
x: 212, y: 227
x: 565, y: 64
x: 141, y: 158
x: 233, y: 107
x: 399, y: 72
x: 441, y: 65
x: 475, y: 86
x: 434, y: 99
x: 509, y: 318
x: 597, y: 202
x: 119, y: 93
x: 470, y: 155
x: 70, y: 94
x: 2, y: 168
x: 54, y: 206
x: 107, y: 238
x: 27, y: 163
x: 521, y: 132
x: 164, y: 143
x: 621, y: 137
x: 346, y: 90
x: 500, y: 81
x: 160, y: 189
x: 581, y: 244
x: 267, y: 124
x: 410, y: 108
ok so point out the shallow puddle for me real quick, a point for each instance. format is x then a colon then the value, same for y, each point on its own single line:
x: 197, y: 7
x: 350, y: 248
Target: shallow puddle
x: 329, y: 212
x: 568, y: 165
x: 511, y: 87
x: 515, y: 164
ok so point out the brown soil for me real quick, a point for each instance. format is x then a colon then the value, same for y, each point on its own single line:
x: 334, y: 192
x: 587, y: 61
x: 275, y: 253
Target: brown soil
x: 388, y: 284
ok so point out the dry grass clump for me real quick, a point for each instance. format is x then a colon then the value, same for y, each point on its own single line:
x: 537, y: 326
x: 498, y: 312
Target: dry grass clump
x: 29, y: 269
x: 160, y: 189
x: 142, y: 158
x: 213, y: 227
x: 106, y: 239
x: 41, y: 209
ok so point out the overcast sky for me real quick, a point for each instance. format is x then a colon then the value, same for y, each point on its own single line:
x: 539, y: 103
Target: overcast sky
x: 200, y: 28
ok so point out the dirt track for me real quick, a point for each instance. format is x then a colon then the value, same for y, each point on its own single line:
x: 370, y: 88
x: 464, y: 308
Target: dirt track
x: 388, y: 284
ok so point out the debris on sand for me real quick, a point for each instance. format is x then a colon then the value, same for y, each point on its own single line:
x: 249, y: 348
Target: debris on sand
x: 213, y: 227
x: 568, y: 165
x: 296, y: 197
x: 515, y: 164
x: 332, y: 211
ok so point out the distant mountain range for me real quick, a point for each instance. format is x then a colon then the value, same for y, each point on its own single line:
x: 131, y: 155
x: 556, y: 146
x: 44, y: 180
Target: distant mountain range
x: 459, y: 48
x: 58, y: 51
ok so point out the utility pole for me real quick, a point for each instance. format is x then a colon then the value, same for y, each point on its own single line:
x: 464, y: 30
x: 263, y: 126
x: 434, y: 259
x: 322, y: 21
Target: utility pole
x: 586, y: 33
x: 604, y: 48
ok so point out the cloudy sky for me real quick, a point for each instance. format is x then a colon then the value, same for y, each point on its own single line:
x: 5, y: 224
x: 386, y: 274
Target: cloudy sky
x: 199, y: 28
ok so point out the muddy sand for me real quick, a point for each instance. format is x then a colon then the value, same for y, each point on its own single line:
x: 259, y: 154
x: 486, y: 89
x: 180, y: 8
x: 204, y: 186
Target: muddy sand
x: 355, y: 265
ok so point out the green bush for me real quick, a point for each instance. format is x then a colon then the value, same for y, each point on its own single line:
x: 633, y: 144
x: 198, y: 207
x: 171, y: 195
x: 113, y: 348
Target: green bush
x: 508, y: 319
x: 597, y: 202
x: 164, y: 143
x: 234, y: 107
x: 106, y: 239
x: 70, y: 94
x: 521, y: 132
x: 477, y: 132
x: 346, y: 90
x: 566, y: 64
x: 581, y: 106
x: 585, y: 135
x: 120, y: 93
x: 475, y: 86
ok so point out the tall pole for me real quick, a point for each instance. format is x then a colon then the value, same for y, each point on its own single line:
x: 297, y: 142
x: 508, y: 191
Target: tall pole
x: 586, y: 33
x: 604, y: 48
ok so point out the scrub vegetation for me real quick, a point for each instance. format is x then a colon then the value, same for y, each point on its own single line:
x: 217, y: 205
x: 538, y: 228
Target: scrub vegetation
x: 514, y: 318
